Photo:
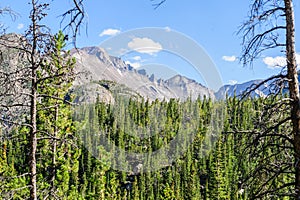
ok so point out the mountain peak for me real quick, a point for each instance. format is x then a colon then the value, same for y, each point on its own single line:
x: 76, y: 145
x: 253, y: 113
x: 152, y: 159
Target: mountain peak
x: 179, y: 79
x: 93, y: 50
x: 99, y: 52
x: 98, y: 65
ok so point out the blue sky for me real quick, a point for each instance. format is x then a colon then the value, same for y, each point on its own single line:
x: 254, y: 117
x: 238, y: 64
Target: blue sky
x: 211, y: 24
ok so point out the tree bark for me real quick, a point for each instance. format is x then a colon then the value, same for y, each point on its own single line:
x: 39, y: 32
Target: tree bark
x: 33, y: 106
x: 293, y: 88
x: 33, y: 138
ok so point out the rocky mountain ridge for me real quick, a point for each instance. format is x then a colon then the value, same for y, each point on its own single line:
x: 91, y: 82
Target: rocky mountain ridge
x: 97, y: 65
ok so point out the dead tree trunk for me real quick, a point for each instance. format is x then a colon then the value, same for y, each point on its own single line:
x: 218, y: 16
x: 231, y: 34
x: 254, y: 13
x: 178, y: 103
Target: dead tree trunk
x: 293, y: 88
x: 33, y: 139
x: 33, y: 107
x: 22, y: 82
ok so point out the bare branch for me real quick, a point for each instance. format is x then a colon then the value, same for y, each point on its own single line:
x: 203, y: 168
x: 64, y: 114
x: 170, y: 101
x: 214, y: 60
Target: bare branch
x: 254, y: 87
x: 156, y: 5
x: 76, y: 17
x: 256, y: 45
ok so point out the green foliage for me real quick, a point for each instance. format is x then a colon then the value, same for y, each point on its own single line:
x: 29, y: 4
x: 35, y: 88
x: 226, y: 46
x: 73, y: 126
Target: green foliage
x: 79, y: 168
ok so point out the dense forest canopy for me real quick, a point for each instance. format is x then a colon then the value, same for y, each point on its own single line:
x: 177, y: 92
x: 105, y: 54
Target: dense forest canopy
x: 54, y: 148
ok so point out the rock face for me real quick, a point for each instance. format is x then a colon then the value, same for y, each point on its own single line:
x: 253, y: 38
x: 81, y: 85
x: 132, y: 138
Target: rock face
x: 13, y: 68
x: 96, y: 65
x: 183, y: 87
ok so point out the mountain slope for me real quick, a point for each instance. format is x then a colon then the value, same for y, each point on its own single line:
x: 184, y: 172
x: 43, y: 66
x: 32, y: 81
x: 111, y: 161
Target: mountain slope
x: 98, y: 65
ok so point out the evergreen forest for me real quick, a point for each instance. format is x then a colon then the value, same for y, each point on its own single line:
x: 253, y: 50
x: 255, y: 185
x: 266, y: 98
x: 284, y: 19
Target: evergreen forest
x: 63, y: 139
x: 77, y: 166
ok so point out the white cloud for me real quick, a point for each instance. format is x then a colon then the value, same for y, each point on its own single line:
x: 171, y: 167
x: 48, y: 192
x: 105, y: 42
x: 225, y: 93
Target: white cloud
x: 275, y: 62
x: 144, y: 45
x: 229, y: 58
x: 137, y: 58
x: 232, y: 82
x: 109, y: 32
x: 168, y: 29
x: 278, y: 61
x: 298, y: 58
x: 20, y: 26
x: 133, y: 64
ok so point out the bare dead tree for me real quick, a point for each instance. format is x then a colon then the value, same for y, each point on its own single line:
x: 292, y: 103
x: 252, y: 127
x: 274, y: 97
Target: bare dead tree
x: 74, y: 18
x: 274, y: 143
x: 28, y: 66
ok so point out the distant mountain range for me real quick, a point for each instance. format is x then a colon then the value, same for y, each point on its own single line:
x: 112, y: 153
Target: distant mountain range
x: 111, y: 74
x: 239, y: 89
x: 96, y: 65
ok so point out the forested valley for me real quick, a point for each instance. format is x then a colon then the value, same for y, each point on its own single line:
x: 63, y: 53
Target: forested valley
x: 77, y: 169
x: 59, y: 140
